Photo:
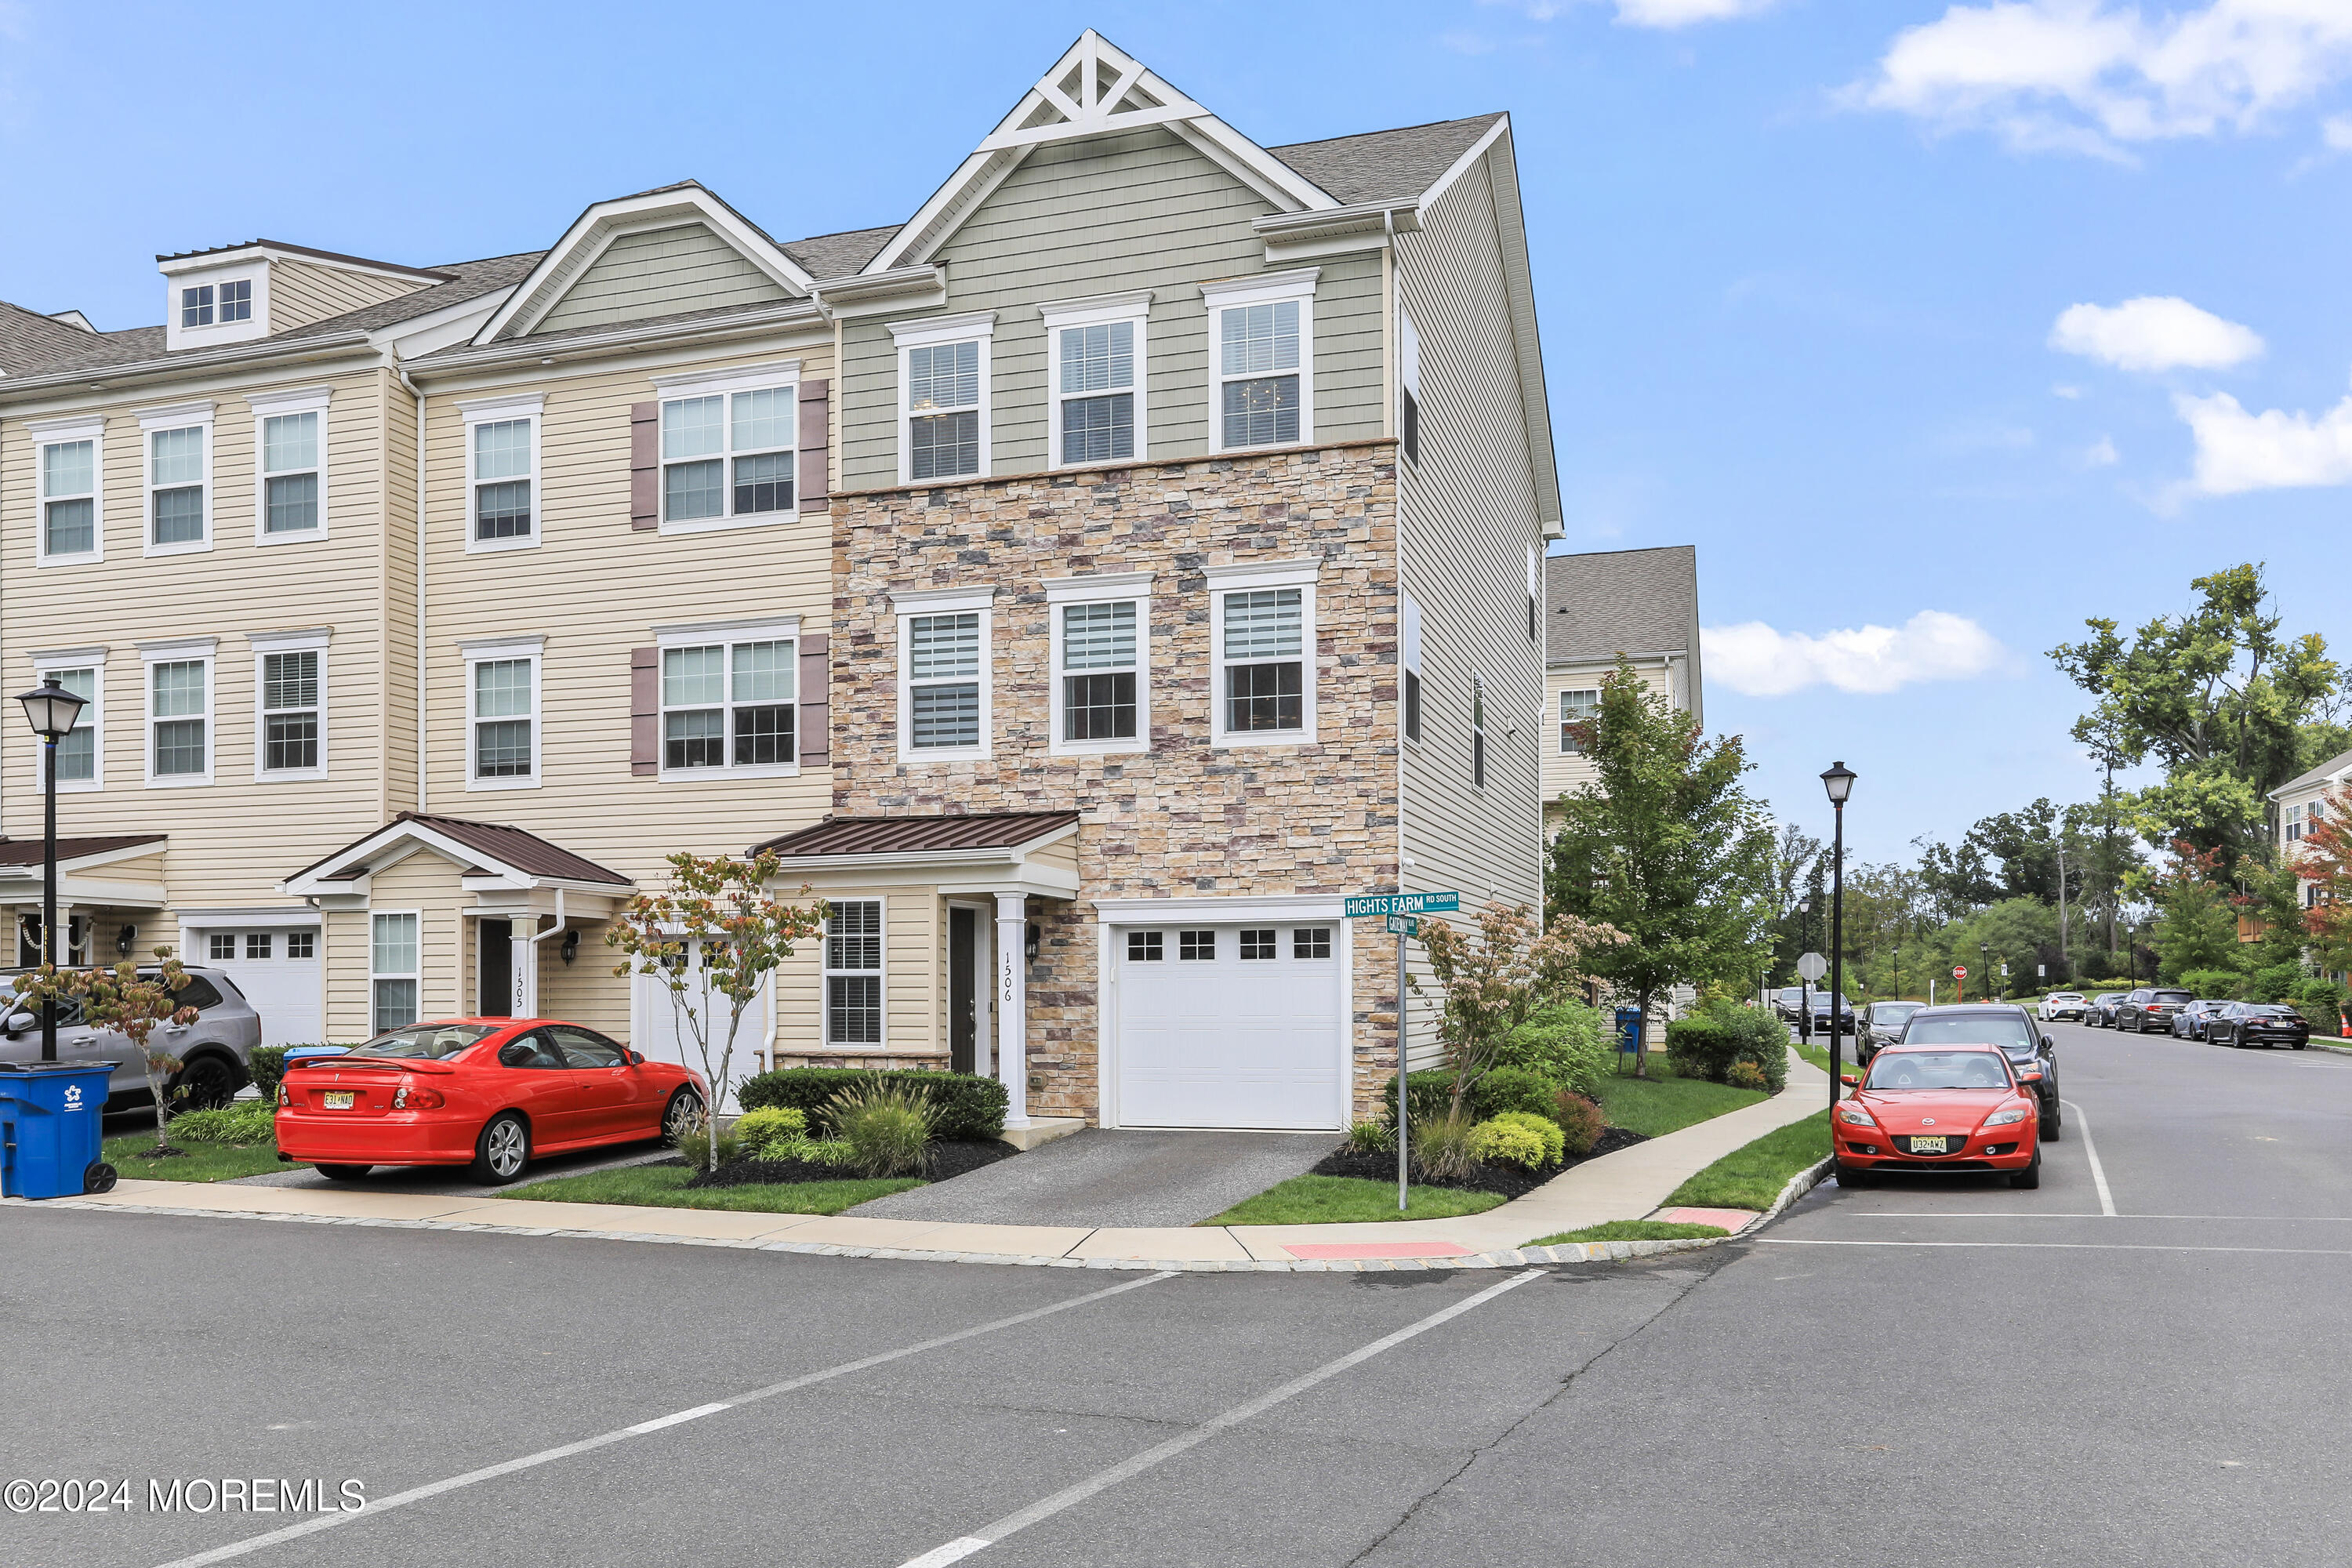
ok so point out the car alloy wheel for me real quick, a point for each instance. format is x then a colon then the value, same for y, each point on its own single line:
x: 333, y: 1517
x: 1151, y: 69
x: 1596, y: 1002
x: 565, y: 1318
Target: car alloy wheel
x: 502, y: 1150
x: 682, y: 1117
x: 206, y: 1083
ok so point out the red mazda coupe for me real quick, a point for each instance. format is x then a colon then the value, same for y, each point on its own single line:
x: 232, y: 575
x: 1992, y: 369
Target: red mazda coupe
x: 1939, y: 1109
x: 492, y: 1093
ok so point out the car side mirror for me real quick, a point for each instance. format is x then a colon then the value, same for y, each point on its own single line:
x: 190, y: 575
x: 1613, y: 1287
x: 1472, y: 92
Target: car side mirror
x: 636, y: 1058
x: 1852, y: 1081
x: 18, y: 1023
x: 2048, y: 1044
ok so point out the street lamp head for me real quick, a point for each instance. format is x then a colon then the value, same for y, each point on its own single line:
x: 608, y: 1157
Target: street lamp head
x: 1839, y: 782
x: 51, y: 709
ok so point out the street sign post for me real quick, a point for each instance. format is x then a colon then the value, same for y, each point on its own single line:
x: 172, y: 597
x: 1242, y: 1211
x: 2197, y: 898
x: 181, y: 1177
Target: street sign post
x: 1960, y: 973
x: 1397, y: 910
x: 1812, y: 966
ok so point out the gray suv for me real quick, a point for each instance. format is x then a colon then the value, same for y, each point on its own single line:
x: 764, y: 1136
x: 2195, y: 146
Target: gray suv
x: 215, y: 1052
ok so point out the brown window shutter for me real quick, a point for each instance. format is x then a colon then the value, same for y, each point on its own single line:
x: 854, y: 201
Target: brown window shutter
x: 644, y: 711
x: 816, y: 445
x: 816, y: 699
x: 644, y: 466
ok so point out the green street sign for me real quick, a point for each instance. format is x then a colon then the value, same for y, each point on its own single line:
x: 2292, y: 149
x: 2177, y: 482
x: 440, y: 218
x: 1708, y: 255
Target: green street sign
x: 1403, y: 925
x: 1364, y: 904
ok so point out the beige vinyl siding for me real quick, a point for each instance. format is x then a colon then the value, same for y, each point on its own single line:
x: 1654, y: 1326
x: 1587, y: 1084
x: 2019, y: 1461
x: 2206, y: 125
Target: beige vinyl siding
x: 1114, y: 213
x: 300, y: 292
x: 1468, y: 515
x: 914, y: 979
x: 427, y: 883
x: 232, y: 841
x: 661, y: 272
x: 397, y: 470
x: 1567, y: 772
x: 585, y: 991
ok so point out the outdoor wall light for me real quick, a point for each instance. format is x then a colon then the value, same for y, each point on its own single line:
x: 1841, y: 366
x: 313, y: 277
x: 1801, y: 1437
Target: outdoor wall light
x: 1029, y: 948
x: 571, y: 948
x: 125, y: 940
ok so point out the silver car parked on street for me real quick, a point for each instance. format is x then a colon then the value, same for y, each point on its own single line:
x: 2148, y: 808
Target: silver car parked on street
x: 216, y: 1052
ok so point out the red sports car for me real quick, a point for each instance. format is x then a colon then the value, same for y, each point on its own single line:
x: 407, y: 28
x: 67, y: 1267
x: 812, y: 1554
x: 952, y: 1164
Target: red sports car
x: 1938, y: 1109
x: 487, y: 1092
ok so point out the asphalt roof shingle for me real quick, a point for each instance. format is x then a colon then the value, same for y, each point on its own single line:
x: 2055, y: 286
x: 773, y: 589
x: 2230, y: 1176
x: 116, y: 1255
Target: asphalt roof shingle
x: 1381, y: 165
x: 828, y: 255
x: 1619, y: 601
x: 2317, y: 775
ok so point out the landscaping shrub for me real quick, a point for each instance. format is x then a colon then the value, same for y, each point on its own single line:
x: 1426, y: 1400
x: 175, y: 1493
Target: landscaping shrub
x: 266, y: 1065
x: 2273, y: 982
x: 1511, y: 1142
x: 963, y: 1105
x: 1555, y: 1141
x: 1703, y: 1045
x: 1581, y: 1123
x: 1441, y: 1146
x: 1433, y: 1096
x: 1567, y: 1043
x: 2319, y: 1001
x: 2215, y: 984
x: 694, y: 1145
x: 1371, y: 1138
x: 887, y: 1125
x: 771, y: 1132
x: 246, y: 1122
x: 1745, y: 1075
x: 1515, y: 1089
x: 1763, y: 1041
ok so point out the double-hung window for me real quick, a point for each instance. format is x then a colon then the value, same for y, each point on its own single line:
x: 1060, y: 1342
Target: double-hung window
x: 1262, y: 345
x: 1262, y: 642
x: 502, y: 713
x: 1408, y: 387
x: 1094, y: 362
x: 179, y: 479
x: 289, y: 440
x: 393, y: 970
x: 727, y: 707
x: 69, y: 462
x: 179, y: 711
x: 502, y: 498
x: 943, y: 392
x: 852, y: 973
x: 1101, y: 636
x: 943, y: 686
x: 729, y: 454
x: 78, y: 757
x: 290, y: 705
x: 1577, y: 706
x: 1477, y: 731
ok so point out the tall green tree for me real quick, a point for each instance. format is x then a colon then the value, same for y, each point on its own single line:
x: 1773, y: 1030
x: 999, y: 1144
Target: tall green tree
x: 1665, y: 845
x: 2197, y: 919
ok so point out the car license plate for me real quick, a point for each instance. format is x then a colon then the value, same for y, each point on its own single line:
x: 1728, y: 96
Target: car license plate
x: 1928, y: 1145
x: 343, y: 1101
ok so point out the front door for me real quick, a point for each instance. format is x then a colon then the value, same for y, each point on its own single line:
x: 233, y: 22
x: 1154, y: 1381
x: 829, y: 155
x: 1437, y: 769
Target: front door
x: 495, y: 941
x: 963, y: 992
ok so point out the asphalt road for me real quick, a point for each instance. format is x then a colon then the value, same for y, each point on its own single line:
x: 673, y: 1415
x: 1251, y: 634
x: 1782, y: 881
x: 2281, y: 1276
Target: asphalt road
x: 1916, y: 1372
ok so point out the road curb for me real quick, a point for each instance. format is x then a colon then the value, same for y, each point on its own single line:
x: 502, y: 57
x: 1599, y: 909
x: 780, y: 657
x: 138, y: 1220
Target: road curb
x: 2323, y: 1046
x: 1796, y: 1187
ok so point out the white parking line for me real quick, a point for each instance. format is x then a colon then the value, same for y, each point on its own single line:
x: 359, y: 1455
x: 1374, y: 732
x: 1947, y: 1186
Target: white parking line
x: 988, y: 1535
x: 603, y: 1440
x: 2091, y: 1151
x: 2064, y: 1245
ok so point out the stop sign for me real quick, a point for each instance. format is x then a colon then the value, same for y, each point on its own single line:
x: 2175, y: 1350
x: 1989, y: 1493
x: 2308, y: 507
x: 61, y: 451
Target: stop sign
x: 1959, y: 972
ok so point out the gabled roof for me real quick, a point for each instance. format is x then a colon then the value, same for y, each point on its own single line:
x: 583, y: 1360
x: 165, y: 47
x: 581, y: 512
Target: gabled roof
x: 502, y: 852
x: 2325, y: 773
x: 1619, y: 601
x: 918, y: 835
x: 19, y: 854
x: 839, y: 254
x: 1387, y: 165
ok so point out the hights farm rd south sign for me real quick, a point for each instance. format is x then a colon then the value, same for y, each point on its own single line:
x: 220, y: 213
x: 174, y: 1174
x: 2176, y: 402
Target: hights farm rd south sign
x: 1361, y: 905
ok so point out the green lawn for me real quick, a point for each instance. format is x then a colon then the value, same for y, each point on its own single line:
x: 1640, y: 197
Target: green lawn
x: 1751, y: 1177
x: 1339, y: 1200
x: 202, y: 1162
x: 664, y: 1186
x: 1661, y: 1103
x: 1633, y: 1230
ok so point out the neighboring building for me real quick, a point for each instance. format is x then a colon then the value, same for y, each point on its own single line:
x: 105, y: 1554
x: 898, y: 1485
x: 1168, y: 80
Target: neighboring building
x: 1084, y: 586
x: 2304, y: 800
x: 1641, y: 603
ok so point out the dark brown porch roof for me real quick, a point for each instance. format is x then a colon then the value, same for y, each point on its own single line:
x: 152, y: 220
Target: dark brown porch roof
x: 917, y: 834
x: 512, y: 847
x: 28, y: 851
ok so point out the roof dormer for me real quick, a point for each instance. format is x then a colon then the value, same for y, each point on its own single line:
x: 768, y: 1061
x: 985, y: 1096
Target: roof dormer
x: 236, y: 293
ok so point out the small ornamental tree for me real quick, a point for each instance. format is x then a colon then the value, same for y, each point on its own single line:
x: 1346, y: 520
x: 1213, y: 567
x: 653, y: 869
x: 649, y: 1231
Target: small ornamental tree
x: 122, y: 1001
x: 2326, y: 861
x: 712, y: 941
x: 1493, y: 981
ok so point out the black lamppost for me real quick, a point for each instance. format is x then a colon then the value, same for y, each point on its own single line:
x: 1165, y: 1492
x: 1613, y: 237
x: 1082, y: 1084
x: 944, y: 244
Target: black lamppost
x: 1984, y: 969
x: 1839, y: 782
x: 52, y: 711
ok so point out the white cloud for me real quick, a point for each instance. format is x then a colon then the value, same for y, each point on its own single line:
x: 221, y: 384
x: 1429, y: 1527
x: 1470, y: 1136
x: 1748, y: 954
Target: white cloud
x: 1753, y: 658
x: 2336, y: 131
x: 2238, y: 451
x: 2086, y: 76
x: 2102, y: 454
x: 2154, y: 334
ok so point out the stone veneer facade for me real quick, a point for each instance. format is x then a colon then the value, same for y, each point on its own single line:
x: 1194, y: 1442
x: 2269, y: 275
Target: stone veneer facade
x: 1184, y: 819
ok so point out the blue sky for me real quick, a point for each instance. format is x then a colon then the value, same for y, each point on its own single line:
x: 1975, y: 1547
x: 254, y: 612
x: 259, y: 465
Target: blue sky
x: 1801, y: 268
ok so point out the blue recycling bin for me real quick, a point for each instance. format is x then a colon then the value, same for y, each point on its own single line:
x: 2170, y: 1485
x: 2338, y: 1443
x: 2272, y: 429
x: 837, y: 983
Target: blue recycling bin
x: 50, y: 1129
x: 1628, y: 1031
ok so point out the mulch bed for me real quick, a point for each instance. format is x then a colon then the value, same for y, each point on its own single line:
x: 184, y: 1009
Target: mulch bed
x: 940, y: 1162
x: 1511, y: 1180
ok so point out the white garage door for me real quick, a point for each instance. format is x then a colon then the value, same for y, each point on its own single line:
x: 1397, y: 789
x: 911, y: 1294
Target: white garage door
x: 658, y: 1031
x: 278, y: 973
x: 1231, y: 1026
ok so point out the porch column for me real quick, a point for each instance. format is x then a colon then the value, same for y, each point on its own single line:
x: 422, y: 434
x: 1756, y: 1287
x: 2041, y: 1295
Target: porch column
x: 1013, y: 1006
x: 522, y: 969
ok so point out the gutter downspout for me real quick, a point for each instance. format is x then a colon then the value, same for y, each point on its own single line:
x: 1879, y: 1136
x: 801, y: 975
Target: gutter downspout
x: 418, y: 392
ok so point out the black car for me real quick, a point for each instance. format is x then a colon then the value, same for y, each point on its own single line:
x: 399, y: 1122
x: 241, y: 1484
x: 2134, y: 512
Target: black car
x: 2014, y: 1028
x: 1789, y: 1003
x: 2150, y: 1008
x: 2101, y: 1013
x: 2244, y: 1024
x: 1882, y: 1025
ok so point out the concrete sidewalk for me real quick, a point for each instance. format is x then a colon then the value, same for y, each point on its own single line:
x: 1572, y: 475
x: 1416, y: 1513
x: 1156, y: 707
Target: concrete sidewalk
x: 1628, y: 1185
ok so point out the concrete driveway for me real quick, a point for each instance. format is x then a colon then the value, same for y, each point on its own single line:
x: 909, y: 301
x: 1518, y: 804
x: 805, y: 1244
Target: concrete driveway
x: 1101, y: 1178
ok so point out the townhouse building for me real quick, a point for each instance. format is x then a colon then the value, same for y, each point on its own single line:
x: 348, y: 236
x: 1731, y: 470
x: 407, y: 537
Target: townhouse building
x: 2303, y: 801
x: 1641, y: 604
x: 1081, y: 585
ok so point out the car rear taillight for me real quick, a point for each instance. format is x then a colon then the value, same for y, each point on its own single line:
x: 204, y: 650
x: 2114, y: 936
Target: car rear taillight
x: 411, y: 1096
x: 283, y: 1096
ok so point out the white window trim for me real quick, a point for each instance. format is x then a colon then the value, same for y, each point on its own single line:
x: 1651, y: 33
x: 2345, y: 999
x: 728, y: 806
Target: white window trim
x: 1561, y: 720
x: 724, y: 383
x: 94, y: 660
x: 1266, y: 289
x: 477, y: 411
x: 263, y: 644
x: 826, y: 972
x: 1408, y: 381
x: 1107, y: 588
x: 269, y: 405
x: 1409, y: 638
x: 1478, y: 741
x: 48, y: 432
x: 946, y: 602
x: 726, y: 635
x: 183, y: 650
x: 976, y: 327
x: 185, y: 417
x: 1101, y: 310
x: 1239, y: 577
x: 375, y: 974
x: 495, y: 650
x: 217, y: 333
